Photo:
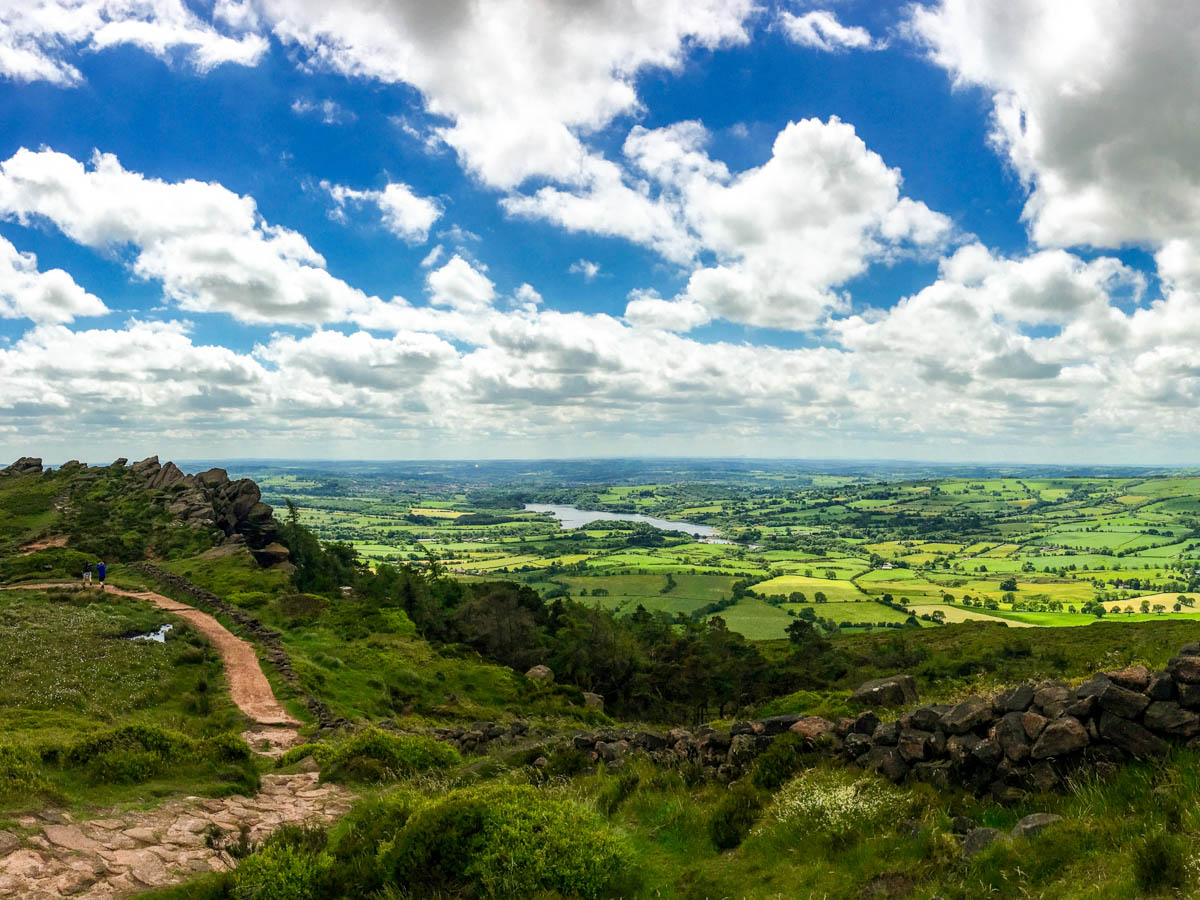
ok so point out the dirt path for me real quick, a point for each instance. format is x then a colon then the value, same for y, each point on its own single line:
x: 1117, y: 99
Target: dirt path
x: 134, y: 851
x: 248, y: 686
x: 44, y: 544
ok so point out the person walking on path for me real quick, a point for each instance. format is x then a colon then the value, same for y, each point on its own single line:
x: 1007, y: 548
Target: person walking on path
x: 87, y: 574
x: 101, y: 571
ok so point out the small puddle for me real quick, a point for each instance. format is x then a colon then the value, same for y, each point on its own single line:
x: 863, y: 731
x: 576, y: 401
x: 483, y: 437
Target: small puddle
x: 160, y: 635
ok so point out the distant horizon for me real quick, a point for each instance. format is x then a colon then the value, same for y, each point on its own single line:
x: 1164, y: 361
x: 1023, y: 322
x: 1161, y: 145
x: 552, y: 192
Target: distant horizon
x: 791, y: 461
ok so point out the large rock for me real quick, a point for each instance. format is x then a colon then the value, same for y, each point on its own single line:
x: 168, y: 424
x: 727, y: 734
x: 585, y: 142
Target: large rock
x: 540, y: 673
x: 1132, y: 678
x: 1161, y: 687
x: 168, y: 476
x: 1010, y: 734
x: 887, y: 761
x: 811, y: 727
x: 1060, y: 737
x: 593, y: 701
x: 1185, y: 669
x: 212, y: 478
x: 928, y: 718
x: 894, y: 690
x: 1122, y: 702
x: 1170, y: 718
x: 271, y: 555
x: 26, y: 465
x: 966, y: 716
x: 980, y: 839
x: 1131, y: 737
x: 915, y: 745
x: 145, y: 468
x: 1051, y: 697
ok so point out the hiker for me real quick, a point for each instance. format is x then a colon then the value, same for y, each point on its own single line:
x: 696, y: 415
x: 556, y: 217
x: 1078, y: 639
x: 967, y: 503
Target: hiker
x: 87, y: 574
x: 101, y: 571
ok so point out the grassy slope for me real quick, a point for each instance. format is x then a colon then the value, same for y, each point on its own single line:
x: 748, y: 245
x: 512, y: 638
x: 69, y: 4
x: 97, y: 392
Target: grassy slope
x: 376, y: 674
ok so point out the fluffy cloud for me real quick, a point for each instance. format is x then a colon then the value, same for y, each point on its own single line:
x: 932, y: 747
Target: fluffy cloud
x: 785, y: 235
x: 208, y: 246
x: 517, y: 80
x: 38, y: 37
x: 1093, y: 105
x: 402, y: 212
x: 821, y: 30
x: 1022, y: 352
x: 586, y: 268
x: 460, y: 286
x: 51, y: 296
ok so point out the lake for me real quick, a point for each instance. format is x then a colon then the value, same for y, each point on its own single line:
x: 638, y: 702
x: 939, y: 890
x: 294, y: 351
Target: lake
x: 572, y: 517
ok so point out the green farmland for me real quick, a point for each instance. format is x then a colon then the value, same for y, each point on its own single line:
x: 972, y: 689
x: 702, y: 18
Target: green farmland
x: 844, y: 553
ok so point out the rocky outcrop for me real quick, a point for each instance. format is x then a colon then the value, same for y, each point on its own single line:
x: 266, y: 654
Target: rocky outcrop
x: 26, y: 465
x: 480, y: 735
x: 540, y: 673
x: 211, y: 500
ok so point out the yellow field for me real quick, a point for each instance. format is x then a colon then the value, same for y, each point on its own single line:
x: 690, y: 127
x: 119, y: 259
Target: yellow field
x: 958, y: 614
x: 435, y: 513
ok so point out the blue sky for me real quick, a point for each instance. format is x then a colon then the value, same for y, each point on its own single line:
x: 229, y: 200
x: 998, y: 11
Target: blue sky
x: 712, y: 227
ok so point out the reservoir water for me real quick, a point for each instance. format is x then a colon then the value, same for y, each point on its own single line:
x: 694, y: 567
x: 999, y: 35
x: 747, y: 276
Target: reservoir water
x: 573, y: 517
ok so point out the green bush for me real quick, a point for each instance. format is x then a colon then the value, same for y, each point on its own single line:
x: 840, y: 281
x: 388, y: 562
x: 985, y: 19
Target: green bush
x: 734, y: 816
x: 776, y: 765
x: 281, y: 871
x: 19, y: 775
x: 507, y: 841
x: 130, y: 754
x: 374, y: 756
x: 226, y: 747
x: 567, y: 762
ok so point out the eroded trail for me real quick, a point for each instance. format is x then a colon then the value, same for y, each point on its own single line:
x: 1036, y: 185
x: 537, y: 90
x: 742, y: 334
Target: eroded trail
x: 133, y: 851
x: 248, y: 686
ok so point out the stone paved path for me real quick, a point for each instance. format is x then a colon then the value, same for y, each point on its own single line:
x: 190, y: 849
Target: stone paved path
x: 135, y: 851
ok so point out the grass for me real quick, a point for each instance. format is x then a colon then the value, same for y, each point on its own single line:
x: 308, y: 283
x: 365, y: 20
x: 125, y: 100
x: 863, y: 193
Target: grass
x: 68, y: 671
x: 756, y: 620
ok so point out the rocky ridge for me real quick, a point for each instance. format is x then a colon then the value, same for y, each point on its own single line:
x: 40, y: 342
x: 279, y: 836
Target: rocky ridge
x: 207, y: 499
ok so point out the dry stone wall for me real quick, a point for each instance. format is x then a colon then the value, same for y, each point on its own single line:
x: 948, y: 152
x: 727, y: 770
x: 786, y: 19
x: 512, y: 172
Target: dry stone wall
x: 1024, y: 739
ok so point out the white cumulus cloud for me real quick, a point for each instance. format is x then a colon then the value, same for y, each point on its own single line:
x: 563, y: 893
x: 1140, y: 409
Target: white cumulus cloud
x: 50, y: 296
x: 39, y: 38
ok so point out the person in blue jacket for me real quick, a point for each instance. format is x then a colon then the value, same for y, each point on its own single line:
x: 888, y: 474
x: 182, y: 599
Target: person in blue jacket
x: 101, y: 571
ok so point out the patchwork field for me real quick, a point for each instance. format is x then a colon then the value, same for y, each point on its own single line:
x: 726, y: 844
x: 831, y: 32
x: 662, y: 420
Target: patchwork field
x: 1036, y: 551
